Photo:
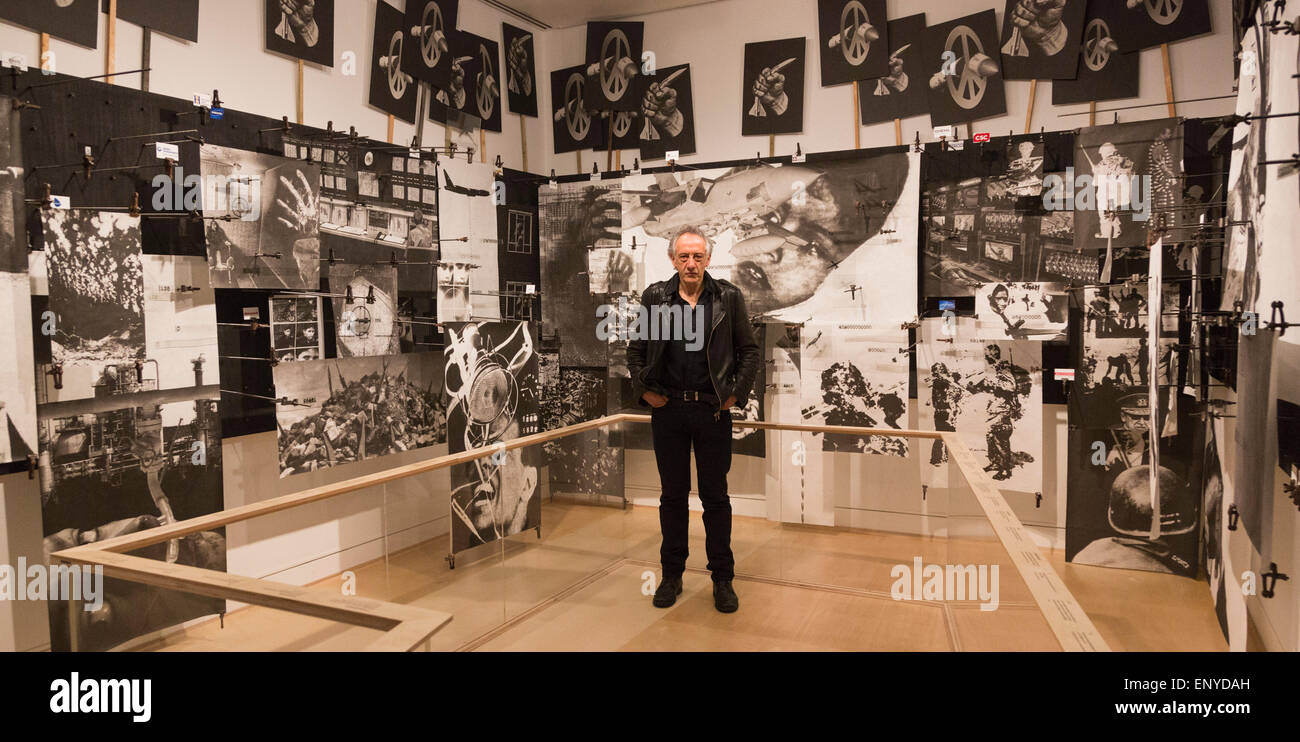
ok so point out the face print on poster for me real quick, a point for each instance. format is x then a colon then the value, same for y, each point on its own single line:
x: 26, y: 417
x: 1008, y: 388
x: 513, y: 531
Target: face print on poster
x: 521, y: 70
x: 575, y: 125
x: 303, y: 29
x: 1143, y: 24
x: 491, y: 390
x: 853, y: 40
x: 1040, y: 39
x: 963, y: 70
x: 1136, y: 173
x: 427, y: 25
x: 1105, y: 71
x: 902, y: 92
x: 1021, y: 311
x: 613, y: 64
x: 667, y: 120
x: 392, y: 87
x: 71, y: 20
x: 772, y: 88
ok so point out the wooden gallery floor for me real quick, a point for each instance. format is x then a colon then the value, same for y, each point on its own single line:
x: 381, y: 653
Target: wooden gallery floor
x: 580, y: 588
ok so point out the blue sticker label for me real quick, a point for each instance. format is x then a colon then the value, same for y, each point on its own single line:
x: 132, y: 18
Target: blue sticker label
x: 218, y: 113
x: 946, y: 305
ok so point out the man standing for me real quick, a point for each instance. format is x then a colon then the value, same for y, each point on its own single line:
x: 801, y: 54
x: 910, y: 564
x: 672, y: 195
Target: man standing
x: 692, y: 383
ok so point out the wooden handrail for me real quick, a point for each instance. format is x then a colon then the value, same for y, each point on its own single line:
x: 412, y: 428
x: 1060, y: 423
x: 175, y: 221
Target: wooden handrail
x: 406, y: 627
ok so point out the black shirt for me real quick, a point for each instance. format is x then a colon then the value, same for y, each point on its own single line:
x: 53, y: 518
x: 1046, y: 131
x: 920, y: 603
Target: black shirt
x: 687, y: 370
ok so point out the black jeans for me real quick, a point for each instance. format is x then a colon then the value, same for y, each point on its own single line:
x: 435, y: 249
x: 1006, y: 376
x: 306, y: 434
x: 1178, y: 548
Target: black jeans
x: 676, y: 427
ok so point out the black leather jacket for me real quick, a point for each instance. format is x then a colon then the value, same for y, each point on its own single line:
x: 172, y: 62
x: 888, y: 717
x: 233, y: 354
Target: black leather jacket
x: 730, y: 346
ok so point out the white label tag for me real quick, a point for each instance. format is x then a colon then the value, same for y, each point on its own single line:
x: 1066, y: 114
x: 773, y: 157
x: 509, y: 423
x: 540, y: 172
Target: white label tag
x: 796, y: 159
x: 945, y: 132
x: 60, y: 202
x: 530, y: 289
x: 595, y: 176
x: 957, y: 144
x: 15, y: 60
x: 1063, y: 374
x: 203, y: 100
x: 166, y: 151
x: 673, y: 155
x: 252, y: 313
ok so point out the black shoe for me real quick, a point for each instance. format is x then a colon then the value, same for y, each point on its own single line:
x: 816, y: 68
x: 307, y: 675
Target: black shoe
x: 724, y: 598
x: 668, y: 591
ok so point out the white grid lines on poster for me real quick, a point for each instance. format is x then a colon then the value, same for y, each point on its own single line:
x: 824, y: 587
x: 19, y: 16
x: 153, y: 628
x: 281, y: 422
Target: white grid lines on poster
x: 994, y: 407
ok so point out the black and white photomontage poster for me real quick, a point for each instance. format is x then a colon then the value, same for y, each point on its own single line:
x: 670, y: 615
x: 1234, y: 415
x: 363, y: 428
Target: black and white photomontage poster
x: 585, y: 463
x: 827, y: 240
x: 1022, y: 311
x: 1136, y: 182
x: 17, y: 363
x: 990, y: 392
x: 856, y: 375
x: 576, y: 218
x: 97, y: 299
x: 123, y: 463
x: 902, y: 91
x: 963, y: 70
x: 1113, y: 372
x: 71, y: 20
x: 467, y: 221
x: 1112, y: 520
x: 613, y: 62
x: 272, y: 237
x: 1246, y: 189
x: 521, y: 70
x: 365, y: 309
x: 1040, y: 39
x: 392, y: 86
x: 491, y: 392
x: 339, y: 411
x: 773, y: 87
x: 667, y: 121
x: 853, y: 40
x: 301, y: 28
x: 1105, y: 72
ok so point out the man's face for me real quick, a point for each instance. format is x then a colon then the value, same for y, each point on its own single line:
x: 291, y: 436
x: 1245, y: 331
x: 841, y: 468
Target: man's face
x: 1000, y: 300
x: 691, y: 258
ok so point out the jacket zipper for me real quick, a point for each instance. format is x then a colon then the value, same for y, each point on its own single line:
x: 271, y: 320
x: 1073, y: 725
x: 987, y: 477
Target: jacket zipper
x: 709, y: 361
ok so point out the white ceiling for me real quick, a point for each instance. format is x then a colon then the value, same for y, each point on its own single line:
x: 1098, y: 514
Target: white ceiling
x: 565, y: 13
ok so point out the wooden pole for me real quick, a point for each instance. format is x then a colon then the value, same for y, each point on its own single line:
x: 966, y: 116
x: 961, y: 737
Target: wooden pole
x: 771, y: 145
x: 898, y: 132
x: 146, y: 42
x: 482, y: 143
x: 857, y: 118
x: 390, y: 128
x: 1092, y: 113
x: 618, y: 160
x: 45, y: 48
x: 523, y: 140
x: 578, y: 153
x: 300, y: 91
x: 1029, y: 110
x: 1169, y: 79
x: 110, y: 51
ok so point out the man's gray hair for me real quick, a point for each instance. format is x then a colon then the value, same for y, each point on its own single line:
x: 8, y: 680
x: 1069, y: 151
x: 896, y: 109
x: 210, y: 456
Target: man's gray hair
x: 672, y: 244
